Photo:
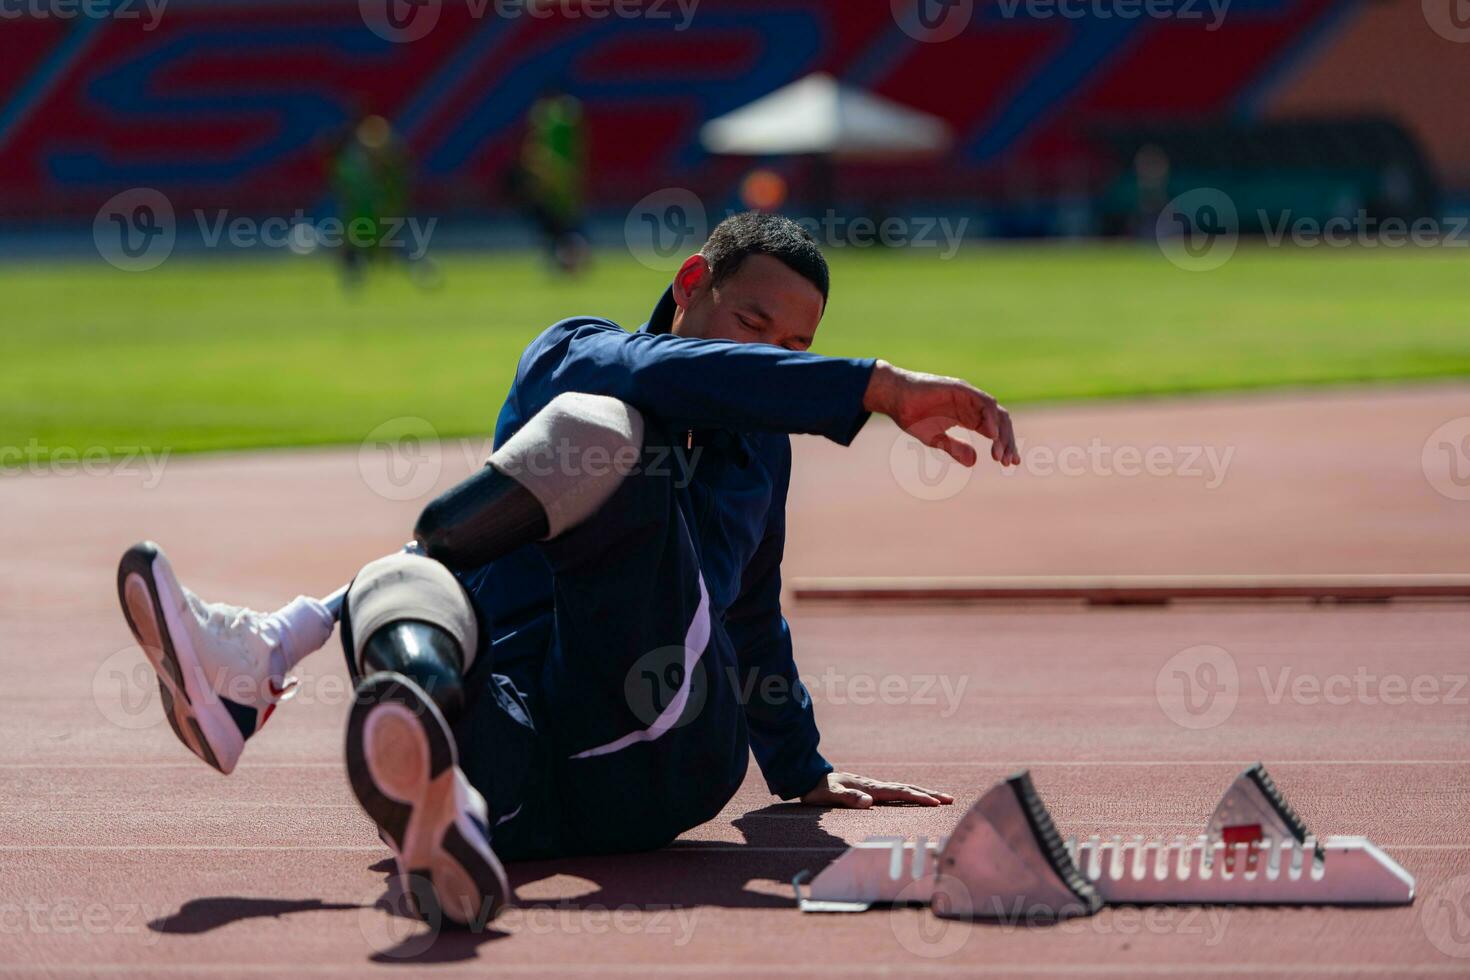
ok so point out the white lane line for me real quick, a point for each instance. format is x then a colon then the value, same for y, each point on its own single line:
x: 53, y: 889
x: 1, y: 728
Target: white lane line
x: 696, y: 849
x: 1274, y: 763
x: 188, y: 807
x: 1002, y: 763
x: 1027, y: 968
x: 168, y: 765
x: 194, y: 847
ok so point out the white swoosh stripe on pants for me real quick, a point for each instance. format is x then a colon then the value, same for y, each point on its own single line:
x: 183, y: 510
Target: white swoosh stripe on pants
x: 696, y: 640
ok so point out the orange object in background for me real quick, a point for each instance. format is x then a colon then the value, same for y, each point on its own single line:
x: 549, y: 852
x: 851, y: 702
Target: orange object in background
x: 763, y: 190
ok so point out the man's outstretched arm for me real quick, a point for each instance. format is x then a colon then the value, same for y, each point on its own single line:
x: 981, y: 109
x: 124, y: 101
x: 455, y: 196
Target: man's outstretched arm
x: 701, y: 384
x: 759, y: 387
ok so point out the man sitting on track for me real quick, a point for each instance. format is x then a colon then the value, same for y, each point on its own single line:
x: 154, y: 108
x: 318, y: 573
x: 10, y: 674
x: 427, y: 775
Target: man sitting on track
x: 585, y: 641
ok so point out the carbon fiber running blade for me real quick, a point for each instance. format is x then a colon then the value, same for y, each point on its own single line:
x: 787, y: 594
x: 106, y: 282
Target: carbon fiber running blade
x: 1005, y: 858
x: 1254, y: 811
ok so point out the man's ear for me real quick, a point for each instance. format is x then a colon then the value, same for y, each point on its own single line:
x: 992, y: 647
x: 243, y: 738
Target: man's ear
x: 692, y: 279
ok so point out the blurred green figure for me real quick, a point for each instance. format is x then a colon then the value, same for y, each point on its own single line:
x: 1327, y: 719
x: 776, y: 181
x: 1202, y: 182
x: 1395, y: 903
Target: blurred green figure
x: 371, y: 180
x: 553, y: 174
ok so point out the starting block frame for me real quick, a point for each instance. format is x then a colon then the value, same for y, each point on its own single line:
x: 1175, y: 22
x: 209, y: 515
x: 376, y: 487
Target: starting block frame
x: 1005, y: 851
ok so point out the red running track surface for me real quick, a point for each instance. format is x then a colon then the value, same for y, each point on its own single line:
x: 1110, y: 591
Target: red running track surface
x: 122, y: 854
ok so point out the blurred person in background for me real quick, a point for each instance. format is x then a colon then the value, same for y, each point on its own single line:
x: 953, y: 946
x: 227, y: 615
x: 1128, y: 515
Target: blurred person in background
x: 372, y: 181
x: 551, y: 176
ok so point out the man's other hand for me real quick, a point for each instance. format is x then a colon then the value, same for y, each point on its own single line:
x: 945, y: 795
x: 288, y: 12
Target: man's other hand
x: 854, y: 792
x: 927, y: 406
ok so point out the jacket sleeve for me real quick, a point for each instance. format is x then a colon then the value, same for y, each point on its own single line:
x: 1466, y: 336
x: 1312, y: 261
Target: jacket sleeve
x: 778, y: 707
x: 700, y: 383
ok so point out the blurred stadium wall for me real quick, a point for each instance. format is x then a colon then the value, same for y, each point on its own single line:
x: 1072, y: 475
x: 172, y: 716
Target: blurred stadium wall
x: 227, y: 103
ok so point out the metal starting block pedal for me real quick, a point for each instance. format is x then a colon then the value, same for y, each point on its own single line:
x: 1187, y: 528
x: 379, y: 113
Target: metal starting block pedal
x: 1006, y: 858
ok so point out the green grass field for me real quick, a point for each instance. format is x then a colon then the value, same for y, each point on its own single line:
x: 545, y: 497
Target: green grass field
x: 215, y: 354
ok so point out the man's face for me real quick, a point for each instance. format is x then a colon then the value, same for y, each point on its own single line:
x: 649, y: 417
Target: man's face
x: 763, y: 302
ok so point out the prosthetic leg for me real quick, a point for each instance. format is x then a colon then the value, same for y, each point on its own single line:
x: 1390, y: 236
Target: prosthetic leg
x: 411, y: 633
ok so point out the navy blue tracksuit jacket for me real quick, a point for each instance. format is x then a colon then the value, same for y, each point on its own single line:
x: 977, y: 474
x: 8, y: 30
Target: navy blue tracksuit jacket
x: 637, y: 661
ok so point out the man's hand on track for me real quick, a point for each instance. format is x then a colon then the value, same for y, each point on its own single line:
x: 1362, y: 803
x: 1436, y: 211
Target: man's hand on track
x: 854, y: 792
x: 927, y: 406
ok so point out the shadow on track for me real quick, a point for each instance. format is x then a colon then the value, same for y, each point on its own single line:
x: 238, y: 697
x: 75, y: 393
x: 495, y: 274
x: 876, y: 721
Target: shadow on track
x: 653, y: 892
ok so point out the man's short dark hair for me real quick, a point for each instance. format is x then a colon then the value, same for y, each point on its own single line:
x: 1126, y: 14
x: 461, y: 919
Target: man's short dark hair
x: 756, y: 233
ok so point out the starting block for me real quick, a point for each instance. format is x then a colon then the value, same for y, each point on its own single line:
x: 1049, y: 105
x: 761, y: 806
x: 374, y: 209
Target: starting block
x: 1005, y: 856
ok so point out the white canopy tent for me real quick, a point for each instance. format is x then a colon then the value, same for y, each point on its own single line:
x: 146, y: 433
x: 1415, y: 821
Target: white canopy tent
x: 819, y: 115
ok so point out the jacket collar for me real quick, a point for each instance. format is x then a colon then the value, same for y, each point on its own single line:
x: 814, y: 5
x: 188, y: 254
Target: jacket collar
x: 662, y: 320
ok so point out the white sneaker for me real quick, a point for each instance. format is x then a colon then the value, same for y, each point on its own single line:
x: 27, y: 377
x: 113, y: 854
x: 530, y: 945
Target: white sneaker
x: 214, y: 662
x: 404, y: 768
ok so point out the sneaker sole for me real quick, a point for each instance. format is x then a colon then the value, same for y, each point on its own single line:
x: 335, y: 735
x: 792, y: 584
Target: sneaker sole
x: 403, y: 767
x: 149, y: 593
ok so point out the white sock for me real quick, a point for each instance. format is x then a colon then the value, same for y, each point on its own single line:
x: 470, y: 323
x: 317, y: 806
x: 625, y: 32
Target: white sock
x: 305, y: 626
